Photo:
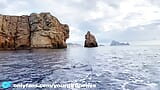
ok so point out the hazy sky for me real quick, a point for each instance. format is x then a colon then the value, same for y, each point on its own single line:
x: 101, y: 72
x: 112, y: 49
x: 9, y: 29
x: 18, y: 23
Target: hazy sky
x: 125, y: 20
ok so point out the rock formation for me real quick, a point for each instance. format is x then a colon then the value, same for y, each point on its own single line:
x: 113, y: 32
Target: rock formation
x: 35, y: 31
x: 116, y: 43
x: 90, y: 40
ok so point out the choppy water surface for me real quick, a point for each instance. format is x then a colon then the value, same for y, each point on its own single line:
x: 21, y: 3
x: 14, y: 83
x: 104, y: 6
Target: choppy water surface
x: 110, y: 68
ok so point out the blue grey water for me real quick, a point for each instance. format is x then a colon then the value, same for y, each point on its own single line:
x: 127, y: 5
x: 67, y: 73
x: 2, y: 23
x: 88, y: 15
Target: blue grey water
x: 110, y: 68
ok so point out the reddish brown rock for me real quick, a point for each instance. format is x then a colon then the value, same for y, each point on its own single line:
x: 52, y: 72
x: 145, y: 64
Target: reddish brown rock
x: 35, y: 31
x: 90, y: 40
x: 8, y: 31
x: 22, y: 39
x: 47, y: 31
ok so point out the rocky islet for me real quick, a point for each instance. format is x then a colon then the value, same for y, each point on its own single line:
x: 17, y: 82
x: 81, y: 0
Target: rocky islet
x: 90, y: 40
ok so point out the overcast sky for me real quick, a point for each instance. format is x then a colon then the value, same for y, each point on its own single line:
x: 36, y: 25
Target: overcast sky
x: 124, y: 20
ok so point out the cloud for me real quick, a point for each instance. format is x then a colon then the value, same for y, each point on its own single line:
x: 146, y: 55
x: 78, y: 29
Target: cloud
x: 3, y: 4
x: 107, y: 19
x: 141, y: 33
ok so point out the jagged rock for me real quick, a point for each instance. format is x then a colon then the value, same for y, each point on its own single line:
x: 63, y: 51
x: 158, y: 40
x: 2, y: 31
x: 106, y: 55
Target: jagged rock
x: 35, y: 31
x: 47, y: 31
x: 90, y: 40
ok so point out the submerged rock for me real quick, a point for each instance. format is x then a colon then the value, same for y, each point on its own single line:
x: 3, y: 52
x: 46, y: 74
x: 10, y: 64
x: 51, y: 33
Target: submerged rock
x: 90, y: 40
x: 35, y: 31
x: 116, y: 43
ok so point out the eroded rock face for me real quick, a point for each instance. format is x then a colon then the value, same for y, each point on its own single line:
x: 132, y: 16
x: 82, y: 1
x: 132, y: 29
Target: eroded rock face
x: 35, y: 31
x: 90, y: 40
x: 22, y: 39
x: 47, y: 31
x: 8, y: 31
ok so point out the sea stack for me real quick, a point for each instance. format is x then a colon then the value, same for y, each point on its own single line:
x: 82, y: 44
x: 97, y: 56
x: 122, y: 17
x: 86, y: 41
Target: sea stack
x: 90, y: 40
x: 35, y: 31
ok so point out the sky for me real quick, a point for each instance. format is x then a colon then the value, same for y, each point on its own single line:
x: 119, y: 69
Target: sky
x: 122, y: 20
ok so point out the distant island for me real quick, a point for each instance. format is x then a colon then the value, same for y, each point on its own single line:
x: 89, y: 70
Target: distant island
x: 116, y: 43
x: 74, y: 45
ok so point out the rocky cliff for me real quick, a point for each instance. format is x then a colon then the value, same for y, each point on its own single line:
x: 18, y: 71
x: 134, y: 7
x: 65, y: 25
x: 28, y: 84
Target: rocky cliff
x: 35, y: 31
x: 90, y: 40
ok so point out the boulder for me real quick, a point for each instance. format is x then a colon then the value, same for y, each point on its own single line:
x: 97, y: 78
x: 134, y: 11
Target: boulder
x: 90, y: 40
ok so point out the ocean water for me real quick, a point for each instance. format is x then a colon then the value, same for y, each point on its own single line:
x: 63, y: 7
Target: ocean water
x: 109, y: 68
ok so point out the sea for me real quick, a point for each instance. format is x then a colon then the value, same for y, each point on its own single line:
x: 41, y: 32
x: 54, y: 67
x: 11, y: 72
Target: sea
x: 105, y: 68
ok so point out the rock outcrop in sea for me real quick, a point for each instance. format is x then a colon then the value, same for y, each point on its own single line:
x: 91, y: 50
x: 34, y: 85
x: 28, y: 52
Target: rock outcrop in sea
x: 116, y: 43
x: 90, y: 40
x: 35, y: 31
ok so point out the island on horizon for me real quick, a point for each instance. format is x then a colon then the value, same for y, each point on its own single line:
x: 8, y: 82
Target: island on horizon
x: 116, y: 43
